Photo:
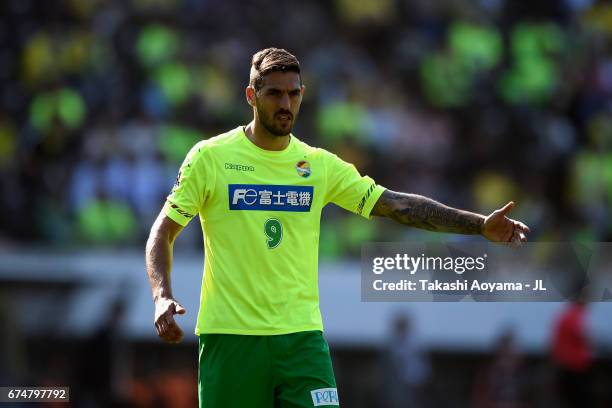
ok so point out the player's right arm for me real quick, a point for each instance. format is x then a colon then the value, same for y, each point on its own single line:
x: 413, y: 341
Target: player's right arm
x: 184, y: 202
x: 158, y: 258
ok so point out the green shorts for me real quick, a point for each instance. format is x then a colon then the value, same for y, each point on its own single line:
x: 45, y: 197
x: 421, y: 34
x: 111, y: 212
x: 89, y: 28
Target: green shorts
x: 283, y: 371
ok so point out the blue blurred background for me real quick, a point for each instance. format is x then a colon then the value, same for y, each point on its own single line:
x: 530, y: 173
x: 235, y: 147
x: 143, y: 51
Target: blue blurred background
x: 471, y: 102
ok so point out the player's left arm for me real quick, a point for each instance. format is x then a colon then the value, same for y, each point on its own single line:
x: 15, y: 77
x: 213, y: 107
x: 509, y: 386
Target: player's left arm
x: 423, y: 212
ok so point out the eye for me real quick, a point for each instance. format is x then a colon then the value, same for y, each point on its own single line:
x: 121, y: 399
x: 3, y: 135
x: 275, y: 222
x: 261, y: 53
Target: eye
x: 273, y: 92
x: 294, y: 94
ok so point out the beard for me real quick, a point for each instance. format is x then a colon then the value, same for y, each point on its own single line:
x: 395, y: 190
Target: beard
x: 275, y: 128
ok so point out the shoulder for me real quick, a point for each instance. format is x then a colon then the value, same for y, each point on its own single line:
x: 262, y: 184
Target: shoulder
x: 324, y: 158
x: 209, y: 146
x: 312, y: 152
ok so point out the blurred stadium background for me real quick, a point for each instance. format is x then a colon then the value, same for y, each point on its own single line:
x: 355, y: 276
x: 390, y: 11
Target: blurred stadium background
x: 471, y: 102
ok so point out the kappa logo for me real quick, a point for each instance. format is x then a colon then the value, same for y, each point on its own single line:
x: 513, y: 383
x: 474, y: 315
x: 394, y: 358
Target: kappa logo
x: 239, y: 167
x: 325, y: 397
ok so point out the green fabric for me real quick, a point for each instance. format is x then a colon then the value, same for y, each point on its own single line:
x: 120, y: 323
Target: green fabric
x: 289, y: 370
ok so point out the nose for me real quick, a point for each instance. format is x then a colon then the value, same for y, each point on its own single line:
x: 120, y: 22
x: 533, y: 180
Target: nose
x: 285, y: 102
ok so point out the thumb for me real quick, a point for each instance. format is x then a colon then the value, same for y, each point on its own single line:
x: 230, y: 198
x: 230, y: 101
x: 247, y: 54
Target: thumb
x: 178, y: 309
x: 505, y: 209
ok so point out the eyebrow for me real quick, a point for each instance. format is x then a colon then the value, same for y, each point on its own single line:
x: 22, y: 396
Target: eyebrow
x: 280, y: 90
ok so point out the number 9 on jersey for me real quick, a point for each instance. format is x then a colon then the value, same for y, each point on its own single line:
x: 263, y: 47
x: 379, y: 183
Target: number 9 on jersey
x: 274, y: 231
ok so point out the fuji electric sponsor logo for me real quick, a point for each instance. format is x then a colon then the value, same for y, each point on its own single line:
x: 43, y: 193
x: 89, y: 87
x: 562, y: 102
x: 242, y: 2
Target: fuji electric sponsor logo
x: 270, y: 197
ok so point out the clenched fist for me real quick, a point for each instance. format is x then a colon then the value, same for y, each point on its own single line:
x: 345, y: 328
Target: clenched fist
x: 167, y: 329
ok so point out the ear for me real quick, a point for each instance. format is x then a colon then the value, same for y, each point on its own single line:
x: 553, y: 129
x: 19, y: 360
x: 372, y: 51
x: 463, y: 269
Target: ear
x: 249, y: 93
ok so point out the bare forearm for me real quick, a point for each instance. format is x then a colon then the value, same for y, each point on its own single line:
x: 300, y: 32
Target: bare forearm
x: 422, y: 212
x: 158, y: 258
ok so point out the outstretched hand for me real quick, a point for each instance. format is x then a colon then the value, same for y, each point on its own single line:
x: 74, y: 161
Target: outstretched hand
x: 499, y: 228
x: 167, y: 329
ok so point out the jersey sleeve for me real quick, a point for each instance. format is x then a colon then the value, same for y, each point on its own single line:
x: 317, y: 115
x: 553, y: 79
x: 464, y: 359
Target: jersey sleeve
x: 349, y: 189
x: 189, y: 191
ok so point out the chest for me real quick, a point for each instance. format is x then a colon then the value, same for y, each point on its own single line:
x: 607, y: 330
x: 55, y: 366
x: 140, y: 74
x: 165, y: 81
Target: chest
x: 291, y: 184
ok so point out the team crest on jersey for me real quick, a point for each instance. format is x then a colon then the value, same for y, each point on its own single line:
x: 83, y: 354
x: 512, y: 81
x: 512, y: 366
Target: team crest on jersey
x: 303, y: 168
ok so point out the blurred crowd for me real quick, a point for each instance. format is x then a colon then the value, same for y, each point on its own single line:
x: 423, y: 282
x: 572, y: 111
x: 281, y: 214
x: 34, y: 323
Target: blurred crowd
x: 471, y: 102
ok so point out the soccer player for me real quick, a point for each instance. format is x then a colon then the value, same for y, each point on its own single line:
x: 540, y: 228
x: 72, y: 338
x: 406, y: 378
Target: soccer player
x: 259, y: 192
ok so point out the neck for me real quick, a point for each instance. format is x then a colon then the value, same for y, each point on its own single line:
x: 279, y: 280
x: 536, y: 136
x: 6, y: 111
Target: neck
x: 263, y: 139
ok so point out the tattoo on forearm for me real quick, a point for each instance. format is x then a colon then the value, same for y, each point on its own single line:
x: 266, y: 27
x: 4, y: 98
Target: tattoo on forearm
x: 422, y: 212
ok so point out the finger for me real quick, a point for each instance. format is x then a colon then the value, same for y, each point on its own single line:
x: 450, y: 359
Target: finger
x: 178, y: 309
x: 164, y: 326
x: 520, y: 235
x: 162, y: 319
x: 171, y: 324
x: 172, y: 329
x: 174, y: 335
x: 177, y: 336
x: 509, y: 232
x: 516, y: 239
x: 167, y: 316
x: 170, y: 336
x: 505, y: 209
x: 162, y: 329
x: 512, y: 241
x: 522, y: 226
x: 168, y: 323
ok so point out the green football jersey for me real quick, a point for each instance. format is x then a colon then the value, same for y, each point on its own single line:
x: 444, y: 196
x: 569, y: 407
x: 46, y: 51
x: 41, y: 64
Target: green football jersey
x: 260, y: 212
